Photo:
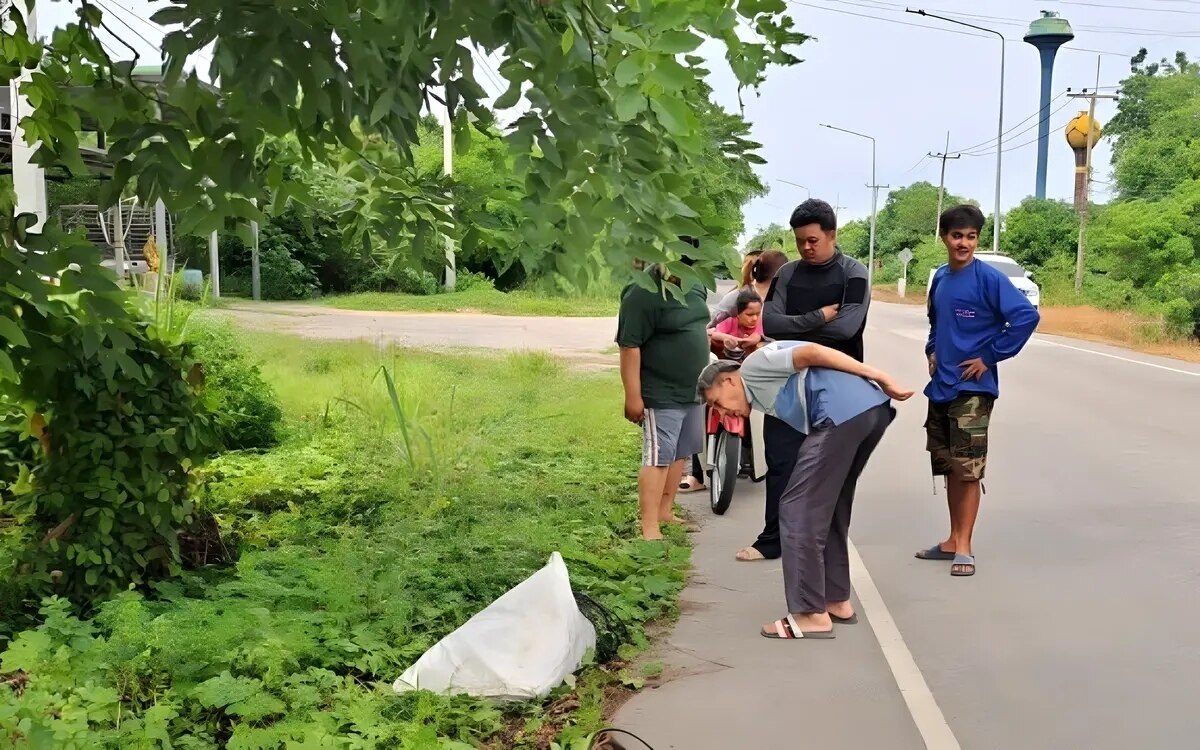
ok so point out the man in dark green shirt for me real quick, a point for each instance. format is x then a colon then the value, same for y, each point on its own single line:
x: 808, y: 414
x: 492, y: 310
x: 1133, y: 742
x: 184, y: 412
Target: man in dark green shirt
x: 664, y: 346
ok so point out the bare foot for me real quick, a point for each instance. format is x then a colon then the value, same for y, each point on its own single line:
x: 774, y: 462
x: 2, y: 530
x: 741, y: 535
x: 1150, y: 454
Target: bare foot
x: 652, y: 537
x: 840, y: 609
x: 748, y: 554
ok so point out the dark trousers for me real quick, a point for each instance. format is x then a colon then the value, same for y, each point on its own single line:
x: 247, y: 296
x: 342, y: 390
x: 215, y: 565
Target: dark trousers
x: 781, y: 444
x: 814, y: 511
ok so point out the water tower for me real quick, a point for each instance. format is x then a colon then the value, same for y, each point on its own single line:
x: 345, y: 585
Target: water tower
x: 1077, y: 138
x: 1047, y: 33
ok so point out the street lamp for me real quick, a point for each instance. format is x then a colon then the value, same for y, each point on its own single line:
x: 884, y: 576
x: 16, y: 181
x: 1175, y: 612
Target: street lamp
x: 874, y: 201
x: 1000, y: 118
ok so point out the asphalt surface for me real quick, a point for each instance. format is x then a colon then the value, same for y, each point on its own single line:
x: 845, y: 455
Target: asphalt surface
x: 1080, y: 628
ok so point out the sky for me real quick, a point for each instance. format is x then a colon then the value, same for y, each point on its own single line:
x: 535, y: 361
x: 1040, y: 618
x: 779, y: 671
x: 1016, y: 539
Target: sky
x: 907, y: 85
x: 906, y: 81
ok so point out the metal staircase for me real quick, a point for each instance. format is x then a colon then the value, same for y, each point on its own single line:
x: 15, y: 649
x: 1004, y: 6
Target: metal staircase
x: 138, y: 224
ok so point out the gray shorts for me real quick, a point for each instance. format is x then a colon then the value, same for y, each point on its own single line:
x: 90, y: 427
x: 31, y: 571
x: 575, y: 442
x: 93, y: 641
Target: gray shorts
x: 672, y: 434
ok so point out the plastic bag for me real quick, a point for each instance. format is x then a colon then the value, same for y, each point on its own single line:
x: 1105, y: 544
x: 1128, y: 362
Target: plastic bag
x: 521, y: 646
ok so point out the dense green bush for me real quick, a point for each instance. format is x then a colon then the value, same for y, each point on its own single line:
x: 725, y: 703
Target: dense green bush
x: 246, y: 410
x: 117, y: 438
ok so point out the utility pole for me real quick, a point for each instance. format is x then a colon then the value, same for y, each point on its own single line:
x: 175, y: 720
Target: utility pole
x: 1087, y: 174
x: 214, y: 265
x: 448, y: 167
x: 118, y: 240
x: 29, y: 181
x: 255, y: 268
x: 874, y: 215
x: 937, y: 221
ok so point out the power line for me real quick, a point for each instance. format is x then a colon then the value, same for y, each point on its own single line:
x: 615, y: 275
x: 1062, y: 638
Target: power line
x: 879, y: 5
x: 940, y: 29
x: 1014, y: 135
x: 1125, y: 7
x: 1017, y: 22
x: 1020, y: 145
x: 123, y: 22
x: 1014, y: 127
x: 153, y: 25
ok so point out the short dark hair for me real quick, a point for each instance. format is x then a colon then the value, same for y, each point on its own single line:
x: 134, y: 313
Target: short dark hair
x: 745, y: 298
x: 712, y: 373
x: 767, y: 265
x: 814, y: 211
x: 963, y: 216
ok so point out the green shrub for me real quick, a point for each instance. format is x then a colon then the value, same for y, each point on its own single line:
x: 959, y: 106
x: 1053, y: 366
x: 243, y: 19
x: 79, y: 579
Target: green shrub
x: 247, y: 412
x: 417, y: 281
x: 1179, y: 318
x: 466, y: 281
x: 119, y: 431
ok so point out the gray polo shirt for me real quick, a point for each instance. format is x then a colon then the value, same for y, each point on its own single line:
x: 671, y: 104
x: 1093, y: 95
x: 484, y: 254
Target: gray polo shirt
x: 802, y: 398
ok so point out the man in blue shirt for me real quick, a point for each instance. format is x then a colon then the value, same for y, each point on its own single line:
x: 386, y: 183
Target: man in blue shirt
x: 828, y: 397
x: 977, y: 318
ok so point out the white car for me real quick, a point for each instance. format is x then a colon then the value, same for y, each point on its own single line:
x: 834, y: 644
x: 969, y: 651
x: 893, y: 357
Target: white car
x: 1020, y: 278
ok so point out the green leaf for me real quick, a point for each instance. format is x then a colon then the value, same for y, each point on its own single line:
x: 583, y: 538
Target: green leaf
x: 10, y: 330
x: 672, y: 76
x: 629, y: 70
x: 383, y: 105
x: 673, y: 114
x: 568, y: 39
x: 677, y: 42
x: 630, y: 103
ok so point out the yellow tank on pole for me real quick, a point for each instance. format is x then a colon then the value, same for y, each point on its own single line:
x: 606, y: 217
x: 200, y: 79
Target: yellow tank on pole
x: 1077, y: 132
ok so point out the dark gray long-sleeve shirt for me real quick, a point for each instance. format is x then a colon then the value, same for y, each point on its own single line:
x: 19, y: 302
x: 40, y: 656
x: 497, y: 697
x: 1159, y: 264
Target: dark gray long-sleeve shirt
x: 799, y: 291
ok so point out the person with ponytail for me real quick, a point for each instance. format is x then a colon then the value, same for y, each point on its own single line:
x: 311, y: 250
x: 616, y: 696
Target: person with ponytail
x: 758, y: 268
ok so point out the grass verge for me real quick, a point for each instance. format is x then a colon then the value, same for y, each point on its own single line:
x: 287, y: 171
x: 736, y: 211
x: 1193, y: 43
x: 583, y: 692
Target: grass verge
x: 359, y: 544
x: 1117, y: 327
x: 482, y: 300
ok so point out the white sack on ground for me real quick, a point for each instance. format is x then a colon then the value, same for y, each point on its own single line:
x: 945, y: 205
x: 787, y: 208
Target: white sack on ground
x: 521, y: 646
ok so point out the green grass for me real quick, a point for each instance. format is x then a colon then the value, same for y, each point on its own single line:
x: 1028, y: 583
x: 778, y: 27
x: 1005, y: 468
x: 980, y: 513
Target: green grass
x: 489, y: 301
x: 360, y: 545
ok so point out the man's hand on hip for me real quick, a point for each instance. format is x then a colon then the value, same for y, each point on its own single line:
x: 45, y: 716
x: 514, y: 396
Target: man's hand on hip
x: 973, y: 369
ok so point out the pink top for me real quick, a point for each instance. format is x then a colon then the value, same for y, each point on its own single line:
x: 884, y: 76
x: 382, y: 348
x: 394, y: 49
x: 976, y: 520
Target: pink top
x: 733, y: 328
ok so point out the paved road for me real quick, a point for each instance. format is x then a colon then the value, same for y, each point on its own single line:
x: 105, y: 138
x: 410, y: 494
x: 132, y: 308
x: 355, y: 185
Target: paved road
x: 1079, y: 630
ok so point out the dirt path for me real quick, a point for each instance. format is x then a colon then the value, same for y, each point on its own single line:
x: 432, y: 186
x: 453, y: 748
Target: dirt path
x: 588, y: 341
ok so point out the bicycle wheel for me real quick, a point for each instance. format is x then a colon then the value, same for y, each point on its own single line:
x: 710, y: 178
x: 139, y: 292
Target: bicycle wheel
x: 724, y: 472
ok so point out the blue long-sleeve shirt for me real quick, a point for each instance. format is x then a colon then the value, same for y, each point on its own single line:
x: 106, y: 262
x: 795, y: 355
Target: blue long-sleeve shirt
x: 974, y: 312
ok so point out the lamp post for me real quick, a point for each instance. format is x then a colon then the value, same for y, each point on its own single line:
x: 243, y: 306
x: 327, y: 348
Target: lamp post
x: 874, y: 201
x: 999, y: 119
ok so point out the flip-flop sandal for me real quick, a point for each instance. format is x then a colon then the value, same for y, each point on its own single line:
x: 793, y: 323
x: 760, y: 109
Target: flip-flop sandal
x: 934, y: 553
x: 964, y: 565
x: 787, y: 630
x: 690, y: 485
x: 851, y: 620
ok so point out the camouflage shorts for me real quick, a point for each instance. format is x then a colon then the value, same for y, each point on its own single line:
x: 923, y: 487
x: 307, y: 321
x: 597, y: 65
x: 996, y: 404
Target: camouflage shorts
x: 957, y: 436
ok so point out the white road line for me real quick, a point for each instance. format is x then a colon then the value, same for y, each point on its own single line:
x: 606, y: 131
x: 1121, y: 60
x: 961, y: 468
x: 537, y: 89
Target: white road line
x: 1041, y: 340
x: 921, y: 704
x: 1193, y: 373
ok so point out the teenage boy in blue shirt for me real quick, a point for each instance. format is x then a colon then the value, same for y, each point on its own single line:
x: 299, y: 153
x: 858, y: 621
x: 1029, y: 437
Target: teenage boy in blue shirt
x: 977, y: 318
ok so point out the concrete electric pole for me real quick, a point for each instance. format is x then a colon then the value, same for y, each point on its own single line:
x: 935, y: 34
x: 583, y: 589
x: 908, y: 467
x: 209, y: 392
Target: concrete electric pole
x: 937, y: 220
x: 1083, y: 202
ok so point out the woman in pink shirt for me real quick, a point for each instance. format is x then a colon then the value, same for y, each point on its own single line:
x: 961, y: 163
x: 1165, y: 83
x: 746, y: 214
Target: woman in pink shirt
x: 738, y: 336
